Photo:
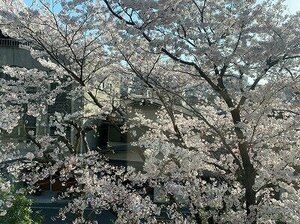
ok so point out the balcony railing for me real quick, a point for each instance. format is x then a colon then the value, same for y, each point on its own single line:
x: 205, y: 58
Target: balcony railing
x: 7, y: 42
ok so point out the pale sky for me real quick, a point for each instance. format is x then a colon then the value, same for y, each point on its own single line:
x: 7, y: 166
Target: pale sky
x: 293, y: 5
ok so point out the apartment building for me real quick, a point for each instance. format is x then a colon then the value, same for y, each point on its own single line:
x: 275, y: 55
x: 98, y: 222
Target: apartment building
x: 107, y: 137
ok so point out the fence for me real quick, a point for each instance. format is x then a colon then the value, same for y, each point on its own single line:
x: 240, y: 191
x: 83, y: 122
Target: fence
x: 7, y: 42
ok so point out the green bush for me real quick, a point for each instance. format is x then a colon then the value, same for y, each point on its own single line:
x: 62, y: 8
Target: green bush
x: 20, y: 211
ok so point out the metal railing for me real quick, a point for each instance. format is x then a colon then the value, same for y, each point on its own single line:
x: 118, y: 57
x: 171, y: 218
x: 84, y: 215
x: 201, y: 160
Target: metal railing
x: 7, y: 42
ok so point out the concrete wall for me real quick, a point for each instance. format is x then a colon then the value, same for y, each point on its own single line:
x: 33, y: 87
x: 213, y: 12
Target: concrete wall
x: 13, y: 55
x: 16, y: 56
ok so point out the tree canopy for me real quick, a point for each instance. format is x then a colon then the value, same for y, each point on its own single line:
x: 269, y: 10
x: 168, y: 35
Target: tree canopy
x: 222, y: 144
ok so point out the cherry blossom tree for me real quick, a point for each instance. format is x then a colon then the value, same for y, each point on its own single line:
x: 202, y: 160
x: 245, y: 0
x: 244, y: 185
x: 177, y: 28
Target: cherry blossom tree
x: 225, y: 141
x: 223, y: 146
x: 69, y: 42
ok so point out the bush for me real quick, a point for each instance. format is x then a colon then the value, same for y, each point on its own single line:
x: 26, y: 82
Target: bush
x: 19, y: 212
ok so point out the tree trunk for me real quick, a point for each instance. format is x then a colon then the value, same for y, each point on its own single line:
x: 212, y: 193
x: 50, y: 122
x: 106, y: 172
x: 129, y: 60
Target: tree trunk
x: 248, y: 181
x: 248, y: 174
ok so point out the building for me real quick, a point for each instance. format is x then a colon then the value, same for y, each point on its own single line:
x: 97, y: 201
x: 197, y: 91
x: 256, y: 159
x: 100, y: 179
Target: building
x: 107, y: 137
x: 12, y: 53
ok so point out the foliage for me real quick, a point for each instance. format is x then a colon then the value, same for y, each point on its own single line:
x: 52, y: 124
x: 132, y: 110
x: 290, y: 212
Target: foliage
x: 16, y: 208
x: 20, y: 212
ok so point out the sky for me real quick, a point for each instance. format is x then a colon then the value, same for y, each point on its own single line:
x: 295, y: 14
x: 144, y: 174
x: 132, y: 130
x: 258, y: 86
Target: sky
x: 293, y: 5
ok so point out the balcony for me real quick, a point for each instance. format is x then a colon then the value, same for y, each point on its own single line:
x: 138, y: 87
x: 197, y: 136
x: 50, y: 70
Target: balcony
x: 8, y: 42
